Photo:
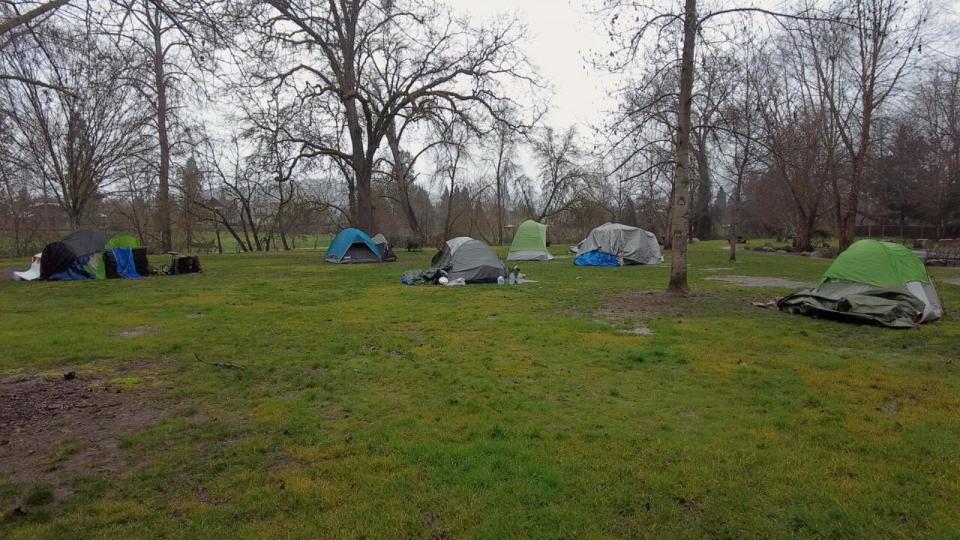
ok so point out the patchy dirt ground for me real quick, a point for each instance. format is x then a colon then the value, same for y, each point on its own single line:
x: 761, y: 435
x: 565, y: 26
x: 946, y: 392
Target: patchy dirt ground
x: 53, y: 429
x: 648, y: 305
x: 760, y: 281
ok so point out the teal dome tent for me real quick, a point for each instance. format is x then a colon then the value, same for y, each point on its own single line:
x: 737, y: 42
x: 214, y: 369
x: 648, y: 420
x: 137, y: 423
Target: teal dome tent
x: 353, y: 246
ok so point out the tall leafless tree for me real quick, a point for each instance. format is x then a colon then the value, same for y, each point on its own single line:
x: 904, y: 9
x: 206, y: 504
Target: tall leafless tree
x: 75, y: 143
x: 334, y: 51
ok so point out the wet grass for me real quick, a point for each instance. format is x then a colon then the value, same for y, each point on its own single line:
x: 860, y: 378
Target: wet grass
x: 369, y: 409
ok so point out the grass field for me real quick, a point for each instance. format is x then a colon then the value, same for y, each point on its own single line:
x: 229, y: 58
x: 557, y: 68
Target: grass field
x: 364, y: 408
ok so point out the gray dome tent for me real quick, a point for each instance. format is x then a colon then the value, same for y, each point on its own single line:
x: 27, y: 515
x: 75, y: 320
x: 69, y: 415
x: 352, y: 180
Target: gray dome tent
x: 472, y: 260
x: 630, y: 245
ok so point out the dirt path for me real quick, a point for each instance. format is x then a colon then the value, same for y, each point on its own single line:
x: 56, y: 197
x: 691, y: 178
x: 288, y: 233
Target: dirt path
x: 761, y: 281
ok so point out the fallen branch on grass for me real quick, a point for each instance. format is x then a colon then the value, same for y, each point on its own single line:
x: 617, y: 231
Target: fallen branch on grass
x: 217, y: 364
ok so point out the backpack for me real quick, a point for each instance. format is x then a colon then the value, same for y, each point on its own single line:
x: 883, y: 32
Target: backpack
x: 186, y: 265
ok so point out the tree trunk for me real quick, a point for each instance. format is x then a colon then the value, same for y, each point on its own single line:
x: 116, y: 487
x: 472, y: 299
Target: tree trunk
x: 735, y: 219
x: 24, y: 18
x: 681, y: 193
x: 401, y: 177
x: 216, y: 230
x: 846, y: 224
x: 449, y: 217
x: 703, y: 221
x: 364, y: 217
x: 163, y: 188
x: 805, y: 225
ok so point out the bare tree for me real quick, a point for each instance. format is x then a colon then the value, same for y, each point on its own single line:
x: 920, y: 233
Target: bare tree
x: 167, y: 39
x: 859, y: 64
x: 269, y: 124
x: 452, y: 158
x: 333, y: 51
x: 20, y: 18
x: 561, y: 172
x: 503, y: 161
x: 629, y: 41
x: 744, y: 151
x: 238, y: 185
x: 74, y: 143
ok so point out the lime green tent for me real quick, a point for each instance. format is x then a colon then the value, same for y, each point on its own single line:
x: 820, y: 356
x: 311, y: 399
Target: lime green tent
x: 530, y: 243
x: 872, y: 281
x: 118, y: 241
x: 883, y: 264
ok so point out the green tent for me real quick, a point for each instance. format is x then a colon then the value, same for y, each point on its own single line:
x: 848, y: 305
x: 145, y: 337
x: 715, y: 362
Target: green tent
x: 883, y: 264
x: 875, y: 282
x: 530, y: 243
x: 118, y: 241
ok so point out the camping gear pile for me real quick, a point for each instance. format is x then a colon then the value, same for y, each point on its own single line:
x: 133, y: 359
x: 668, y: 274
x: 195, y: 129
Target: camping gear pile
x: 613, y: 244
x: 462, y: 258
x: 91, y: 255
x: 386, y: 252
x: 353, y: 246
x: 871, y: 282
x: 530, y: 243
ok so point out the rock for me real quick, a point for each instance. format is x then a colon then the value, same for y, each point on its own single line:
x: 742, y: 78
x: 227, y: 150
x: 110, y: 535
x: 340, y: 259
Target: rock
x: 782, y: 251
x: 70, y: 375
x: 768, y: 249
x: 694, y: 240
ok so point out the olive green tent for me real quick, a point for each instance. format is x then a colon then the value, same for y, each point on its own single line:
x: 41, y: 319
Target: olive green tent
x: 530, y: 243
x: 118, y: 241
x: 875, y: 282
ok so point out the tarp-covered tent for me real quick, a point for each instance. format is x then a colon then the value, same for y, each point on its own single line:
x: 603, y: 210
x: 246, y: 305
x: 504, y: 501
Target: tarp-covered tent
x: 872, y: 282
x: 353, y: 246
x: 469, y: 259
x: 386, y: 253
x: 74, y: 257
x: 629, y: 245
x: 118, y: 258
x: 529, y: 243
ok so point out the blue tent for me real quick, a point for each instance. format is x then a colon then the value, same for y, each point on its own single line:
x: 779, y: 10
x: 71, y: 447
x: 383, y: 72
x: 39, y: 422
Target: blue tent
x: 353, y: 246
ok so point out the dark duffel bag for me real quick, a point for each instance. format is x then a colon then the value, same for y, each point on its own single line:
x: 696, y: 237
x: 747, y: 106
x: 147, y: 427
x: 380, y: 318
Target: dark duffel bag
x: 187, y: 265
x: 110, y: 265
x: 140, y: 261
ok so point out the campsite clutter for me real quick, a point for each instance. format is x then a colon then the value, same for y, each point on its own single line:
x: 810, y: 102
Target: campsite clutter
x: 614, y: 244
x: 462, y: 260
x: 871, y: 282
x: 386, y: 252
x: 86, y: 255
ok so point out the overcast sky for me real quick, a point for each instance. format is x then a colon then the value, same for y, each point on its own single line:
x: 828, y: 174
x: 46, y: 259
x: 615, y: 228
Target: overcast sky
x: 560, y: 32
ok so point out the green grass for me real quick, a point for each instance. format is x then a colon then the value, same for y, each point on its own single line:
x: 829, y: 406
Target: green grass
x: 371, y: 409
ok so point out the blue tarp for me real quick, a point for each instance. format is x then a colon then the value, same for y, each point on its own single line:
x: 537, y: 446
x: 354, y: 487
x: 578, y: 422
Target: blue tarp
x: 126, y: 267
x: 76, y: 271
x: 596, y: 258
